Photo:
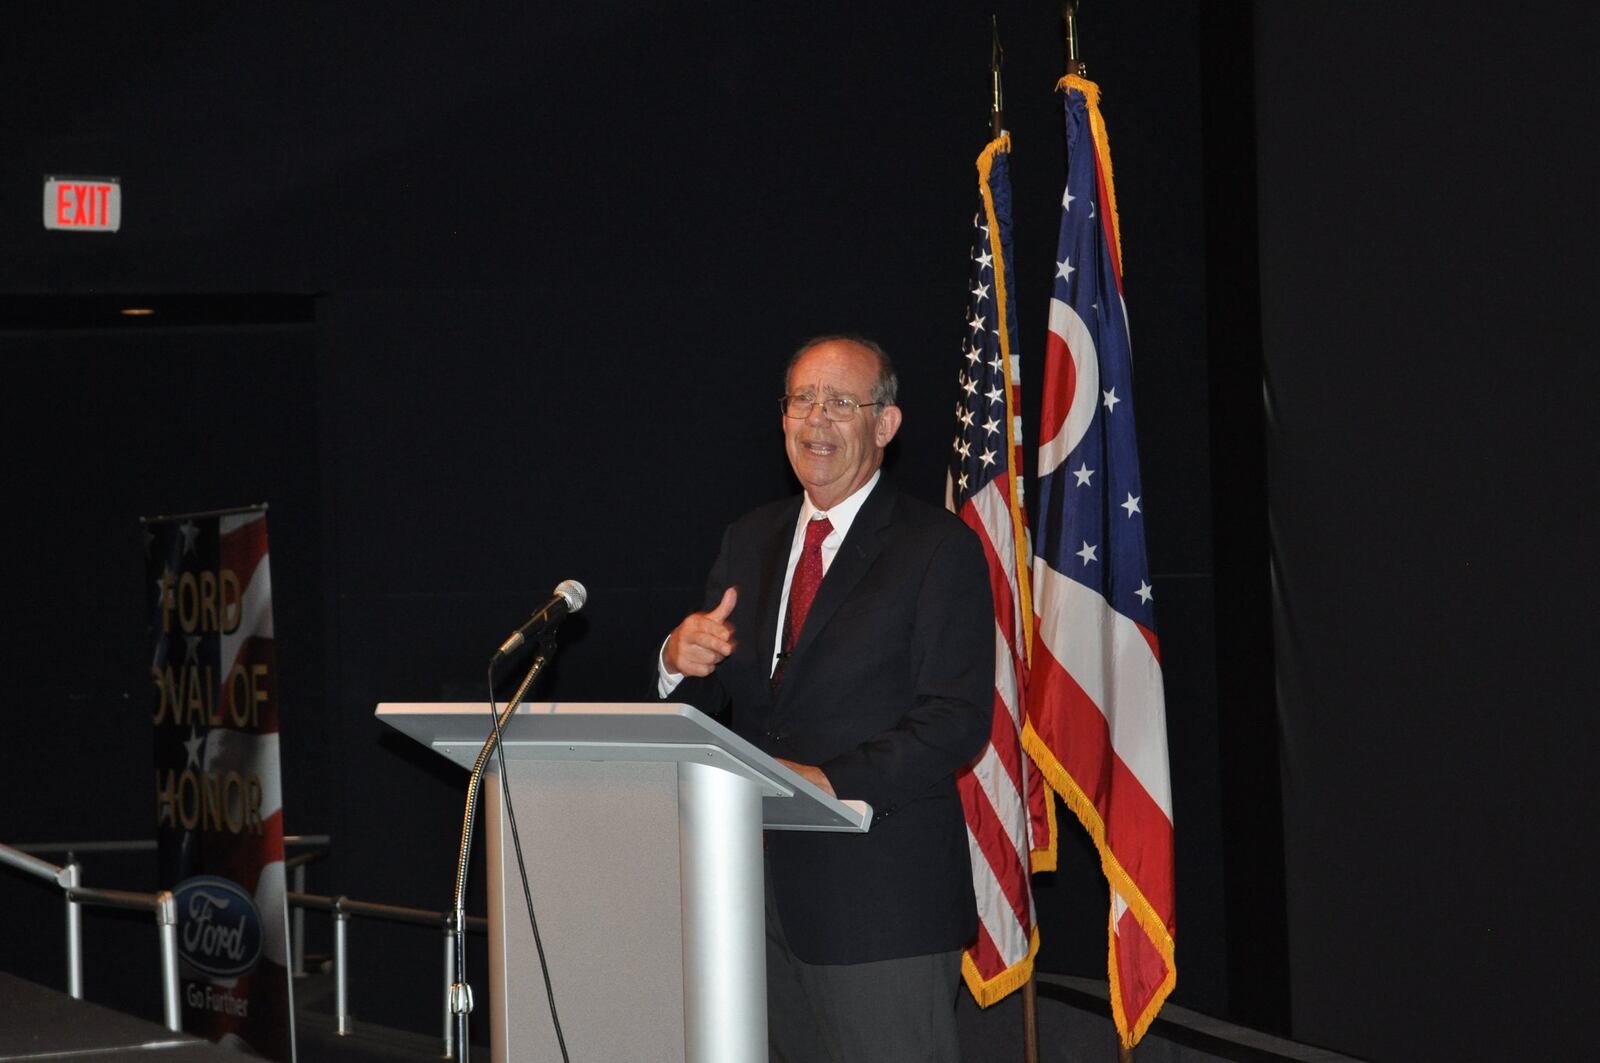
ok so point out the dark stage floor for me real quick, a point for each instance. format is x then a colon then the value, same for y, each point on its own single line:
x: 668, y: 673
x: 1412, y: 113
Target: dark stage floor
x: 38, y: 1023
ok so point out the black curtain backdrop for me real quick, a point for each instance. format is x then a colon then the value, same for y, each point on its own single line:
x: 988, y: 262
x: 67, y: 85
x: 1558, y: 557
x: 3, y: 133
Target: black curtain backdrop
x: 1426, y: 257
x: 481, y: 301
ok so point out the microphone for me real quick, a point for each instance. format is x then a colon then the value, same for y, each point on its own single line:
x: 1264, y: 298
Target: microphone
x: 567, y: 599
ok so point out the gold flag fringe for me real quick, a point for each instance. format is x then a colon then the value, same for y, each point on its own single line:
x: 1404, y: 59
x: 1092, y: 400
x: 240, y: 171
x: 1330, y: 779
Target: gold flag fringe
x: 1097, y: 129
x: 1002, y: 303
x: 1003, y: 984
x: 1083, y: 807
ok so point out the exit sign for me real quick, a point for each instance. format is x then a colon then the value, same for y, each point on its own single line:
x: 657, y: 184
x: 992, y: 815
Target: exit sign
x: 83, y: 204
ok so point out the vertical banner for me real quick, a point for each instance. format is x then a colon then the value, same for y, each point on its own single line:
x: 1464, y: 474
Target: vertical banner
x: 219, y: 807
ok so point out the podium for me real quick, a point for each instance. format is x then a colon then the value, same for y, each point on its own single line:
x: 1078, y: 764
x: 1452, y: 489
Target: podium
x: 641, y: 832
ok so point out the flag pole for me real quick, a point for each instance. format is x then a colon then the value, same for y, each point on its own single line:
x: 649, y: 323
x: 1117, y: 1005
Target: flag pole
x: 997, y: 123
x: 1069, y: 14
x: 997, y: 98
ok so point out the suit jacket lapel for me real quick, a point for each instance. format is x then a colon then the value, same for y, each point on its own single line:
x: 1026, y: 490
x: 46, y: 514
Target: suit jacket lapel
x: 856, y: 554
x: 780, y: 540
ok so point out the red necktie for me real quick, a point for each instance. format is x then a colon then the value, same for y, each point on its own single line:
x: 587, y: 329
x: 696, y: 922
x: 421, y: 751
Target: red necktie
x: 802, y: 590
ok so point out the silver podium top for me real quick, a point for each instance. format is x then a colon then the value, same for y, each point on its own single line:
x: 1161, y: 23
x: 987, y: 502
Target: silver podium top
x: 642, y: 732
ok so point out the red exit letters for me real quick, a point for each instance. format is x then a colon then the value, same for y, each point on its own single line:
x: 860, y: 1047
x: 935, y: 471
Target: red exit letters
x: 82, y: 204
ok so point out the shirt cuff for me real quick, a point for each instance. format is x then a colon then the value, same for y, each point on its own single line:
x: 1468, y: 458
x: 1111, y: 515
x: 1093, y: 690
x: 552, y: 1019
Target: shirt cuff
x: 666, y: 682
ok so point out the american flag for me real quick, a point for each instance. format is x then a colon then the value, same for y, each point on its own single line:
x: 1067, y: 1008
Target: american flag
x: 1010, y: 826
x: 1096, y: 707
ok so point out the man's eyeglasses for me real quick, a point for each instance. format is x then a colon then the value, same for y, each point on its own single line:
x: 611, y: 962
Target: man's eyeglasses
x: 835, y: 408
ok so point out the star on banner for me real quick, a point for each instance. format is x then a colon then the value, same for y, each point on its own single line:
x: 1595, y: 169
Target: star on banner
x: 195, y: 742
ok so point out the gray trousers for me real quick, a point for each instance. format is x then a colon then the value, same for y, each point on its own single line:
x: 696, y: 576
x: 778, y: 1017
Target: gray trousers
x: 888, y: 1011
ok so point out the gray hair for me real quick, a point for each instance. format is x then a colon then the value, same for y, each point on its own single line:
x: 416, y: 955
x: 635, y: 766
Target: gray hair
x: 885, y: 389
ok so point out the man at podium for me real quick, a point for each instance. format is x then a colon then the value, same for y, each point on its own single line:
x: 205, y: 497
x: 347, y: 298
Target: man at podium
x: 849, y: 632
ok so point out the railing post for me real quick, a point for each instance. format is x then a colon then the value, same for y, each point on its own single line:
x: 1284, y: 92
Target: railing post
x: 341, y: 919
x: 297, y: 926
x: 449, y: 980
x: 72, y: 876
x: 167, y: 923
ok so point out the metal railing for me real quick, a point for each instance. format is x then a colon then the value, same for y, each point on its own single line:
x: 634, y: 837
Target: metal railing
x: 315, y: 845
x: 161, y: 903
x: 342, y: 908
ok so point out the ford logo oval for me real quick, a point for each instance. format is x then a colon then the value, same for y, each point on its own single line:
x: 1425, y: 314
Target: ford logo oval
x: 219, y: 929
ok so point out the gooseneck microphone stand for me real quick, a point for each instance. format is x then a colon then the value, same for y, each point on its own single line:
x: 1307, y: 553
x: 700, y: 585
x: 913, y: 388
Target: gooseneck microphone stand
x: 460, y: 991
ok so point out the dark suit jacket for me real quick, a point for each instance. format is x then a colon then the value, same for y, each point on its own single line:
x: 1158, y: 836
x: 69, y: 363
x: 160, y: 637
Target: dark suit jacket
x: 890, y: 691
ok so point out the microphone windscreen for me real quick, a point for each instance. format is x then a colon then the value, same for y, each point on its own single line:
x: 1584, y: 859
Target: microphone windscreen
x: 574, y: 593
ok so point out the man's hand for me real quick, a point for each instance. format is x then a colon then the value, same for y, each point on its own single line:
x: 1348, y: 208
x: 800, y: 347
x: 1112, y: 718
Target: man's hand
x: 703, y: 640
x: 811, y: 774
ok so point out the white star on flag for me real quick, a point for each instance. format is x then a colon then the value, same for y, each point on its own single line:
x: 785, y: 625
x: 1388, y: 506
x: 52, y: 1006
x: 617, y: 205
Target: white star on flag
x: 1087, y: 553
x: 1131, y: 505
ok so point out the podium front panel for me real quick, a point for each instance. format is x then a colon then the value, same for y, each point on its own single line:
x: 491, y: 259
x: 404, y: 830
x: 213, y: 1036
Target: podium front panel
x: 600, y: 842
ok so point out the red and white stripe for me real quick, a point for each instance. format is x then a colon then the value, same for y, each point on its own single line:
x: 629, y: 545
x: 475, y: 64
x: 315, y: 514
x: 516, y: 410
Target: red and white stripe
x: 993, y: 790
x: 1009, y: 828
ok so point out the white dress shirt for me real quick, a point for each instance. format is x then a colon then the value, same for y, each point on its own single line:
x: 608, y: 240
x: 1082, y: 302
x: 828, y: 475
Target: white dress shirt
x: 842, y: 516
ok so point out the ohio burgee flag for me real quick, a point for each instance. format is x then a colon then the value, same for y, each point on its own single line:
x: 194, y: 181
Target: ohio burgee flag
x: 1096, y: 711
